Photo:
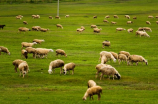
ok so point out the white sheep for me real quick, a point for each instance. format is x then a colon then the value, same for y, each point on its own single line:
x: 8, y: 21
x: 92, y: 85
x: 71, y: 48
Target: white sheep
x: 136, y: 59
x: 122, y: 57
x: 107, y: 16
x: 127, y: 16
x: 106, y: 43
x: 106, y: 21
x: 129, y: 22
x: 24, y: 53
x: 59, y: 26
x: 68, y: 67
x: 26, y: 44
x: 124, y: 52
x: 16, y: 63
x: 147, y: 29
x: 31, y: 50
x: 55, y: 64
x: 150, y: 16
x: 130, y: 30
x: 4, y: 49
x: 38, y: 41
x: 93, y: 26
x: 79, y: 30
x: 93, y: 91
x: 142, y: 33
x: 156, y: 22
x: 36, y: 28
x: 82, y: 27
x: 35, y: 16
x: 104, y: 59
x: 57, y: 17
x: 25, y: 22
x: 44, y: 30
x: 115, y: 55
x: 115, y: 16
x: 42, y: 52
x: 112, y: 22
x: 96, y: 30
x: 120, y: 29
x: 108, y: 55
x: 148, y: 22
x: 24, y: 68
x: 91, y: 83
x: 19, y: 17
x: 67, y: 16
x: 23, y: 29
x: 61, y: 52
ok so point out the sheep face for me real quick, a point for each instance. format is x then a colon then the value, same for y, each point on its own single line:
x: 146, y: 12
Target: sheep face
x: 146, y: 62
x: 64, y: 71
x: 24, y: 72
x: 118, y: 76
x: 84, y: 98
x: 50, y: 71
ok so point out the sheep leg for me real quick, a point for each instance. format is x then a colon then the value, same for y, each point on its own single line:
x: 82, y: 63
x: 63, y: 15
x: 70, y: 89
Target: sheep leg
x: 15, y: 69
x: 99, y: 96
x: 119, y: 61
x: 72, y: 71
x: 60, y: 70
x: 101, y: 76
x: 113, y: 76
x: 97, y: 74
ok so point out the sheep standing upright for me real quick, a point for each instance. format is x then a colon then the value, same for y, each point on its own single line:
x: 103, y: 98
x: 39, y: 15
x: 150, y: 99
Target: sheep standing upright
x: 130, y: 30
x: 23, y: 29
x: 105, y: 21
x: 24, y: 53
x: 91, y: 83
x: 108, y: 55
x: 93, y: 91
x: 96, y: 30
x: 94, y: 17
x: 55, y: 64
x: 125, y: 53
x: 115, y: 16
x: 59, y: 26
x: 115, y: 55
x: 16, y: 63
x: 68, y: 67
x: 79, y: 30
x: 24, y: 68
x: 129, y: 22
x: 106, y: 43
x: 148, y: 22
x: 26, y: 44
x: 120, y: 29
x: 147, y: 29
x: 93, y: 26
x: 50, y: 17
x: 31, y: 50
x: 122, y: 57
x: 136, y: 59
x: 4, y: 49
x: 67, y: 16
x: 61, y: 52
x: 39, y: 41
x: 43, y: 30
x: 57, y: 17
x: 25, y: 22
x: 42, y: 52
x: 127, y: 16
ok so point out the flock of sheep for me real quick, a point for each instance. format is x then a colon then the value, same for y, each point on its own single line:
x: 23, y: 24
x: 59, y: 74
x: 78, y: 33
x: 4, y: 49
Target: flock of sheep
x: 105, y: 56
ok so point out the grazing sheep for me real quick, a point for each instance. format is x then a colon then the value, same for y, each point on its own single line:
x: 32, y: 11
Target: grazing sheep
x: 91, y: 83
x: 115, y: 16
x: 18, y: 17
x: 156, y: 22
x: 115, y: 55
x: 142, y: 33
x: 26, y: 44
x: 16, y: 63
x: 24, y: 53
x: 125, y: 53
x: 104, y: 60
x: 156, y: 16
x: 120, y: 29
x: 148, y: 22
x: 44, y: 30
x: 57, y: 17
x: 141, y: 29
x: 112, y: 22
x: 23, y: 29
x: 93, y: 26
x: 59, y: 25
x: 36, y: 28
x: 109, y: 71
x: 2, y: 26
x: 106, y: 43
x: 94, y: 17
x: 108, y: 55
x: 129, y: 22
x: 106, y: 21
x: 68, y: 67
x: 147, y: 29
x: 127, y: 16
x: 130, y: 30
x: 24, y: 68
x: 55, y: 64
x: 82, y: 27
x: 67, y: 16
x: 93, y: 91
x: 35, y: 16
x: 136, y: 59
x: 61, y: 52
x: 107, y: 16
x: 31, y: 50
x: 96, y: 30
x: 135, y: 17
x: 25, y: 22
x: 122, y: 57
x: 150, y: 16
x: 79, y: 30
x: 4, y: 49
x: 50, y: 17
x: 42, y: 52
x: 39, y: 41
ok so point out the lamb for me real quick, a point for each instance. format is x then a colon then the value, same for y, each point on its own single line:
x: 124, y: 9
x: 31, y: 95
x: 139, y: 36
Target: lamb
x: 57, y: 17
x: 96, y: 30
x: 147, y: 29
x: 115, y: 16
x: 129, y: 22
x: 25, y: 22
x: 107, y: 54
x: 106, y: 43
x: 44, y: 30
x: 23, y: 29
x: 36, y: 28
x: 148, y: 22
x: 2, y: 26
x: 50, y: 17
x: 31, y: 50
x: 93, y: 26
x: 120, y: 29
x: 67, y: 16
x: 109, y: 71
x: 122, y: 57
x: 91, y: 83
x: 55, y: 64
x: 24, y: 68
x: 107, y: 16
x: 68, y: 67
x: 112, y: 22
x: 150, y: 16
x: 61, y: 52
x: 94, y: 17
x: 42, y: 52
x: 136, y: 59
x: 4, y: 49
x: 130, y: 30
x: 93, y: 91
x: 16, y: 63
x: 59, y: 25
x: 24, y: 53
x: 106, y: 21
x: 115, y: 55
x: 135, y: 17
x: 26, y: 44
x: 127, y: 16
x: 39, y: 41
x: 124, y: 52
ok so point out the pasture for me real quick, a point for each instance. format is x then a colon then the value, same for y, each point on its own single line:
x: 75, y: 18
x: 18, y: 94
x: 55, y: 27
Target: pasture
x: 138, y: 84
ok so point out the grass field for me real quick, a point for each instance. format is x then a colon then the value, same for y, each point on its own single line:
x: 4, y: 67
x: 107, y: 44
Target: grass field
x: 138, y: 84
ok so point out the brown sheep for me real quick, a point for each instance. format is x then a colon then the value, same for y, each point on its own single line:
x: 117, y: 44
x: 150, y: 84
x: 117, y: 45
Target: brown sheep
x: 115, y: 55
x: 57, y: 17
x: 96, y: 30
x: 59, y: 26
x: 106, y: 43
x: 36, y: 28
x: 24, y: 68
x: 93, y: 26
x: 4, y: 49
x: 25, y: 22
x: 50, y: 17
x: 44, y: 30
x: 39, y: 41
x: 94, y: 17
x: 148, y: 22
x: 122, y: 57
x: 31, y: 50
x: 106, y: 21
x: 16, y: 63
x: 68, y: 67
x: 136, y: 59
x: 125, y: 53
x: 115, y: 16
x: 61, y: 52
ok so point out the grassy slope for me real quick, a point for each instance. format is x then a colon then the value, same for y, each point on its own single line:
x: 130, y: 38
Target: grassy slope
x: 138, y: 83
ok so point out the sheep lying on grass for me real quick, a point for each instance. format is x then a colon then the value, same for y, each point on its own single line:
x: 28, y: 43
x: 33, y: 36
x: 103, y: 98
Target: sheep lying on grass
x: 59, y: 26
x: 61, y: 52
x: 42, y: 52
x: 136, y: 59
x: 68, y: 67
x: 2, y: 26
x: 39, y: 41
x: 4, y: 49
x: 31, y: 50
x: 125, y: 53
x: 26, y: 44
x: 91, y: 83
x: 16, y: 63
x: 55, y: 64
x: 24, y: 53
x: 120, y: 29
x: 106, y: 43
x: 93, y: 91
x: 24, y: 68
x: 122, y: 57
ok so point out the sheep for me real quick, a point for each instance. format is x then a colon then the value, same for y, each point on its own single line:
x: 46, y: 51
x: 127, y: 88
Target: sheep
x: 135, y: 17
x: 31, y: 50
x: 39, y: 41
x: 57, y: 17
x: 18, y: 17
x: 4, y: 49
x: 55, y: 64
x: 112, y: 22
x: 24, y: 68
x: 150, y: 16
x: 26, y: 44
x: 25, y: 22
x: 23, y: 29
x: 124, y: 52
x: 109, y: 71
x: 115, y: 16
x: 42, y: 52
x: 129, y: 22
x: 156, y: 22
x: 36, y: 28
x: 94, y: 17
x: 93, y: 91
x: 2, y: 26
x: 59, y: 25
x: 96, y: 30
x: 24, y: 53
x: 35, y: 16
x: 156, y: 16
x: 91, y: 83
x: 115, y: 55
x: 122, y: 57
x: 106, y: 21
x: 68, y: 67
x: 108, y: 55
x: 82, y: 27
x: 147, y: 29
x: 61, y: 52
x: 93, y: 26
x: 142, y: 33
x: 148, y: 22
x: 106, y: 43
x: 67, y: 16
x: 120, y: 29
x: 127, y: 16
x: 50, y: 17
x: 16, y: 63
x: 130, y: 30
x: 79, y: 30
x: 44, y: 30
x: 136, y: 59
x: 107, y: 16
x: 141, y: 29
x: 104, y: 60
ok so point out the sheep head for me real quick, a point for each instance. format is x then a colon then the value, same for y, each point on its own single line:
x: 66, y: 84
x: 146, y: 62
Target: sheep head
x: 118, y: 76
x: 50, y: 71
x: 64, y: 71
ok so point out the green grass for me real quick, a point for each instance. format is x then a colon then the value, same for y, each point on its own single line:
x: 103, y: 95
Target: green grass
x: 138, y: 84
